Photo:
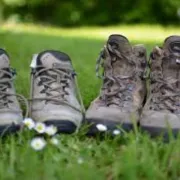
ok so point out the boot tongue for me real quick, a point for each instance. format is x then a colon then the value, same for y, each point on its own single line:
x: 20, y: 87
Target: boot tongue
x: 54, y: 59
x: 172, y: 44
x: 4, y: 59
x: 120, y: 43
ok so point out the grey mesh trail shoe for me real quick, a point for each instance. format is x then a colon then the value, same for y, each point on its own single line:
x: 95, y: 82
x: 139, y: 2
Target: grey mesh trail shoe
x: 124, y: 89
x: 10, y: 111
x: 162, y: 109
x: 53, y: 92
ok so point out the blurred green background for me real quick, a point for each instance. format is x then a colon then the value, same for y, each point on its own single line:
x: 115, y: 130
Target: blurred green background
x: 91, y: 12
x: 28, y: 27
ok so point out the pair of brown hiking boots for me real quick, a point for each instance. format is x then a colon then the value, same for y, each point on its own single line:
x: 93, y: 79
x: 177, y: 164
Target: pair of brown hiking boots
x: 126, y: 99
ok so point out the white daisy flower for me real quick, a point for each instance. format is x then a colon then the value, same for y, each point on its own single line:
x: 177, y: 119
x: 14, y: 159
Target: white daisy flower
x: 54, y: 141
x: 116, y: 132
x: 51, y: 130
x: 29, y: 123
x: 80, y: 160
x: 40, y: 127
x: 101, y: 127
x: 38, y: 143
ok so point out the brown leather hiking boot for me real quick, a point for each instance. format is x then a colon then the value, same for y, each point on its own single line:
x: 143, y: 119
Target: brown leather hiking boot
x: 10, y: 111
x: 53, y: 92
x: 162, y: 109
x: 123, y: 90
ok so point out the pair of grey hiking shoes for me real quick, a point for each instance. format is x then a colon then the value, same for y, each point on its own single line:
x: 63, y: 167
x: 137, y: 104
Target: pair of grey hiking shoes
x: 52, y: 98
x: 126, y: 99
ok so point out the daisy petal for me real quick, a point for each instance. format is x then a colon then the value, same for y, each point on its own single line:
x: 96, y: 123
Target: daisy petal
x: 116, y: 132
x: 29, y: 123
x: 40, y: 127
x: 51, y: 130
x: 38, y: 143
x: 101, y: 127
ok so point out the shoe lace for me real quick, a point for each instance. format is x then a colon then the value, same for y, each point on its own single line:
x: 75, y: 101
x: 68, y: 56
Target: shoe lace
x: 124, y: 86
x: 7, y: 77
x: 55, y: 81
x: 163, y: 93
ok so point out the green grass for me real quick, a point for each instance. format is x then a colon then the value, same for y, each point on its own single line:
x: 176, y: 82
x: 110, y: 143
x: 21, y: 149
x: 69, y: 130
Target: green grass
x: 134, y: 156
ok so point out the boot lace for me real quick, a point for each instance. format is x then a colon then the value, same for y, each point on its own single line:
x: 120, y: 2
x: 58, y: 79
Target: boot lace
x: 7, y: 77
x: 122, y: 94
x: 55, y: 81
x: 164, y: 94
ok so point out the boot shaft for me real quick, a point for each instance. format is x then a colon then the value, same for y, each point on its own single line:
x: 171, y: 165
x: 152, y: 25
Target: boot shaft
x: 126, y: 60
x: 166, y: 60
x: 165, y: 75
x: 124, y: 67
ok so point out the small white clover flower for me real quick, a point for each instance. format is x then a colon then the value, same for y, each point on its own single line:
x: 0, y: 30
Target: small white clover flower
x: 54, y: 141
x: 116, y: 132
x: 101, y: 127
x: 38, y: 143
x: 29, y: 123
x: 80, y: 160
x: 40, y: 127
x: 51, y: 130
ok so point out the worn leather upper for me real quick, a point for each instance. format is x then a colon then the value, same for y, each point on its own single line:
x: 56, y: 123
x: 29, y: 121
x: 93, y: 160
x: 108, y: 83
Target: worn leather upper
x: 123, y: 90
x: 163, y: 104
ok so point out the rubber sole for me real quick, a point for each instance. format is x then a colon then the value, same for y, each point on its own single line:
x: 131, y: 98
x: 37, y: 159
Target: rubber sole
x: 9, y: 129
x: 111, y: 126
x: 164, y: 132
x: 63, y: 126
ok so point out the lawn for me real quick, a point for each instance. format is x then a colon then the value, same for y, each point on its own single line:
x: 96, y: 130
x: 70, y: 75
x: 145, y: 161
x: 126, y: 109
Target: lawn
x: 133, y: 156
